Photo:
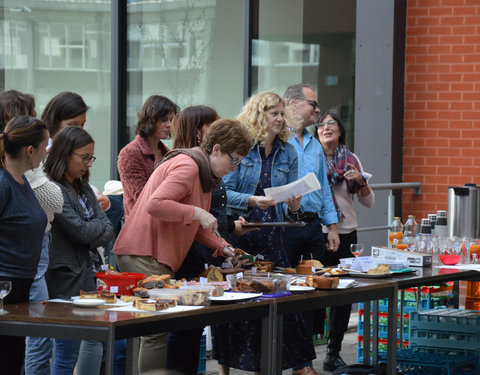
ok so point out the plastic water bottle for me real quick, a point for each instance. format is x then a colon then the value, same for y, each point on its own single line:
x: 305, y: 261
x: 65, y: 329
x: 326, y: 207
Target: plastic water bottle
x: 441, y: 227
x: 396, y: 232
x: 410, y: 231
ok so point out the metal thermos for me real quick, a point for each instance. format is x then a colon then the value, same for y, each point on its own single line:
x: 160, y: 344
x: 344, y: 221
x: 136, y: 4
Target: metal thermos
x: 464, y: 211
x: 441, y: 227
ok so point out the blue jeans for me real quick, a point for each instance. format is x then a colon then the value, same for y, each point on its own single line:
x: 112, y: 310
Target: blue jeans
x: 66, y: 355
x: 91, y: 354
x: 38, y: 350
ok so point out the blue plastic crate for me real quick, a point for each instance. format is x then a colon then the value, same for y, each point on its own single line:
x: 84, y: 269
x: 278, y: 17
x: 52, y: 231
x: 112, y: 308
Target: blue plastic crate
x: 443, y: 351
x: 202, y: 359
x: 410, y: 362
x: 445, y: 339
x: 443, y: 319
x: 383, y: 331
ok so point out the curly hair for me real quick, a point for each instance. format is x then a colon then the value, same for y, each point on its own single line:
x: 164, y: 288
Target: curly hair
x: 254, y: 119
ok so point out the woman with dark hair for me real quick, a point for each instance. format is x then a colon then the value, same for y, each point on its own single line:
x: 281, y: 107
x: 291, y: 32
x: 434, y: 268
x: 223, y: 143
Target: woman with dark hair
x: 191, y: 124
x: 172, y: 212
x: 15, y: 103
x: 76, y: 232
x: 23, y: 145
x: 65, y: 109
x: 137, y: 159
x: 347, y: 179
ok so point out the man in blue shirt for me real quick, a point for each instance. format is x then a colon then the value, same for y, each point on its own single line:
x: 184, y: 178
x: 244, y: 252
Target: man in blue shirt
x: 317, y: 207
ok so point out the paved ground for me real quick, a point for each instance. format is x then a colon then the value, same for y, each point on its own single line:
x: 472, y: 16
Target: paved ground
x: 349, y: 352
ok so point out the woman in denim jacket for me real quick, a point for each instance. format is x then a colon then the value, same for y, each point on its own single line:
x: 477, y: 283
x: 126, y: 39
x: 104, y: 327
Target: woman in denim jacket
x: 271, y: 162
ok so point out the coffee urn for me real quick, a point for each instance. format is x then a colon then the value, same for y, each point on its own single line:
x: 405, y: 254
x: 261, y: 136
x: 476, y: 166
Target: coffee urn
x: 464, y: 211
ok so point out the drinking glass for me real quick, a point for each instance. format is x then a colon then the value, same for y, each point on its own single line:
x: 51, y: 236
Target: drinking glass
x: 356, y: 249
x: 5, y: 288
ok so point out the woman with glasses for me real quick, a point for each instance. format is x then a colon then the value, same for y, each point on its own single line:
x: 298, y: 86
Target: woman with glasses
x: 272, y: 161
x: 76, y: 232
x: 347, y: 179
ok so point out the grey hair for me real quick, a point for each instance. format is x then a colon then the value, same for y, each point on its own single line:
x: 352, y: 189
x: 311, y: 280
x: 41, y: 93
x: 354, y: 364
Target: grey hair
x: 296, y: 92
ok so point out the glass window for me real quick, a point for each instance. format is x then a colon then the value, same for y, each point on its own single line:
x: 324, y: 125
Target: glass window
x: 49, y: 47
x: 189, y: 51
x: 306, y: 41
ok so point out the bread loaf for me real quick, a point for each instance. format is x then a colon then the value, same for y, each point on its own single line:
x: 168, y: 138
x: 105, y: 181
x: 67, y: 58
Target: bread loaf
x: 325, y: 282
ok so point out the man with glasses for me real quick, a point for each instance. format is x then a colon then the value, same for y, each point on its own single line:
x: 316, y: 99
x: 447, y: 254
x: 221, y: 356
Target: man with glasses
x: 316, y: 207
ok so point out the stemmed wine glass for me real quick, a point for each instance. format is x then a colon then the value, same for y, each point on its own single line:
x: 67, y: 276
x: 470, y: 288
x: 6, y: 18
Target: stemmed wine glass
x: 356, y: 249
x: 5, y: 288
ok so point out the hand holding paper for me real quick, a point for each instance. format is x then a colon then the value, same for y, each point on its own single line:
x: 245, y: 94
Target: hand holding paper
x: 303, y: 186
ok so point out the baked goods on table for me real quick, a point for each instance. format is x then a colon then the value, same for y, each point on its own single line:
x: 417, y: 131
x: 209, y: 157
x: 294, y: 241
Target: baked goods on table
x: 154, y: 281
x: 261, y: 284
x: 152, y: 305
x: 325, y: 282
x: 213, y: 274
x: 381, y: 269
x: 308, y: 266
x: 141, y: 292
x: 263, y: 266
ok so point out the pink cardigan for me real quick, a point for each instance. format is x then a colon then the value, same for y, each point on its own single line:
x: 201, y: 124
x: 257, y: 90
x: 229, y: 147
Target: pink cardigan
x: 161, y: 225
x: 135, y: 165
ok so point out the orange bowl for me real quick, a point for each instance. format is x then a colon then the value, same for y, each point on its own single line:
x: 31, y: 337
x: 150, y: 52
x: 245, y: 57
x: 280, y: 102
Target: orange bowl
x: 449, y: 259
x: 121, y: 283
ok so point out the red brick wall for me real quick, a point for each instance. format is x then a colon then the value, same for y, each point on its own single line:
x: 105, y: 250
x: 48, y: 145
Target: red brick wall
x: 442, y: 101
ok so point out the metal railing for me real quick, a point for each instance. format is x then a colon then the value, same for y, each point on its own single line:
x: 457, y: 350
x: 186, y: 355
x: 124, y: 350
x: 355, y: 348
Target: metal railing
x: 417, y: 190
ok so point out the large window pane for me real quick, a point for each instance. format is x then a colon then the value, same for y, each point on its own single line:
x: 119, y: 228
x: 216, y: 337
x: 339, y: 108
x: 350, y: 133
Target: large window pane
x: 190, y: 51
x: 307, y: 41
x: 53, y: 46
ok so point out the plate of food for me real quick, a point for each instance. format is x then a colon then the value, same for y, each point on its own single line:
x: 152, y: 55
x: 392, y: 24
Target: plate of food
x: 381, y: 271
x: 88, y: 302
x: 290, y: 224
x: 231, y: 297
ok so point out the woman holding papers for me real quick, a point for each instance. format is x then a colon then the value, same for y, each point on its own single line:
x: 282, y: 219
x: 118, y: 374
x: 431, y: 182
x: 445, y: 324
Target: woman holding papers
x: 271, y: 162
x: 347, y: 179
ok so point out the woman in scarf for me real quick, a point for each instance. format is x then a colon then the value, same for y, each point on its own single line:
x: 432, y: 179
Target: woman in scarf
x: 346, y: 177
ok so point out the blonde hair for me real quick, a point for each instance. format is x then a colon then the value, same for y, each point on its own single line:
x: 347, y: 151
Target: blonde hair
x: 254, y: 119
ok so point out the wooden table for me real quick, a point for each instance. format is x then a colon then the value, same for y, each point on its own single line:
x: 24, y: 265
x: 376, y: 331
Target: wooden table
x: 66, y: 321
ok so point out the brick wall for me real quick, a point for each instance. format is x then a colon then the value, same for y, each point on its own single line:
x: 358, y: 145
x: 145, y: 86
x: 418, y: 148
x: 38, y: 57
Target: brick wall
x: 442, y: 101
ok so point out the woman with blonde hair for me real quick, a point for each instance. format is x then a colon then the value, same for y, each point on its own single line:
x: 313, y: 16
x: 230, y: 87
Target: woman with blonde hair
x: 272, y: 161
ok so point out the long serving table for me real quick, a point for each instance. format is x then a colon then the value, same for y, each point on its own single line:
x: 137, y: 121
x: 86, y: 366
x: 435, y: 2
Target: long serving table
x: 64, y: 320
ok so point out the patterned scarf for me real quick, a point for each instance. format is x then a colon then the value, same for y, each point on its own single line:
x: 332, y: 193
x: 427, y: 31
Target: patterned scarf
x: 336, y: 169
x: 207, y: 179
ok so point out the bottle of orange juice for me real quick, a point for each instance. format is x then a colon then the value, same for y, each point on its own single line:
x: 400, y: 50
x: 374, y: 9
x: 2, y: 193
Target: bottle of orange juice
x: 396, y: 232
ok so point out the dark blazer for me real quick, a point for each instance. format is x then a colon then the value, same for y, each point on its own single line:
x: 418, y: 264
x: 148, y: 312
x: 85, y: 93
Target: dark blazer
x: 70, y: 268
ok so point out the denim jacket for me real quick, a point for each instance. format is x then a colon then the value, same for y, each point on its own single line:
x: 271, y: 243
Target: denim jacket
x: 241, y: 183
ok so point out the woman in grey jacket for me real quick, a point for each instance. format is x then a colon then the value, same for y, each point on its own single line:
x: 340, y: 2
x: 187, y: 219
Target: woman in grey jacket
x: 76, y: 232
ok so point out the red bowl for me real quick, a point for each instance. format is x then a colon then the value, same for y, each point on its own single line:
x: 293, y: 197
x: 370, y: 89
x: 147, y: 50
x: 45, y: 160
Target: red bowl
x: 121, y: 283
x: 449, y: 259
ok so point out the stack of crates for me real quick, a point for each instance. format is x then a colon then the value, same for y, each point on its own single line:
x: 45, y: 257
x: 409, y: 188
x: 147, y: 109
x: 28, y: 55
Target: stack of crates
x: 410, y: 362
x: 431, y: 296
x: 472, y: 298
x: 202, y: 359
x: 445, y: 331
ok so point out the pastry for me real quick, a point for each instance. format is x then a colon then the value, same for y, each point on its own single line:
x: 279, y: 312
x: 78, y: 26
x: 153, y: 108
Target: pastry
x: 146, y: 305
x: 128, y: 298
x: 381, y: 269
x: 88, y: 294
x: 212, y: 274
x: 218, y: 291
x: 263, y: 266
x: 141, y: 292
x: 107, y: 296
x: 325, y: 282
x: 154, y: 281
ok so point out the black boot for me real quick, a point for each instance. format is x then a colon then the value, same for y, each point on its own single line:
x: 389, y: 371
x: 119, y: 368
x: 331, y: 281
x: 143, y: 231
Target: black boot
x: 332, y: 359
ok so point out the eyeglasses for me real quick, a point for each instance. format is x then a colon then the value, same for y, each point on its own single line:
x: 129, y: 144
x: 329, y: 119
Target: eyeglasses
x: 85, y: 158
x: 313, y: 103
x: 329, y: 123
x: 234, y: 161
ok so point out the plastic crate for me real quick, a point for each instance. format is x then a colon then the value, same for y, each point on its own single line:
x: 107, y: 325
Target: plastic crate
x: 446, y: 351
x: 443, y: 319
x: 473, y: 289
x: 382, y: 346
x: 412, y: 362
x: 202, y: 359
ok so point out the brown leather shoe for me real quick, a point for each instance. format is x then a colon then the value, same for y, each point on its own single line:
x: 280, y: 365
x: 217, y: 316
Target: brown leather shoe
x: 308, y: 370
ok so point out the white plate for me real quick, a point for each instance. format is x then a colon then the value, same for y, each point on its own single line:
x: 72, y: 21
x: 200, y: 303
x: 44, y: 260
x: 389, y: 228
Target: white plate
x: 178, y: 308
x: 234, y: 297
x: 88, y: 302
x: 300, y: 288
